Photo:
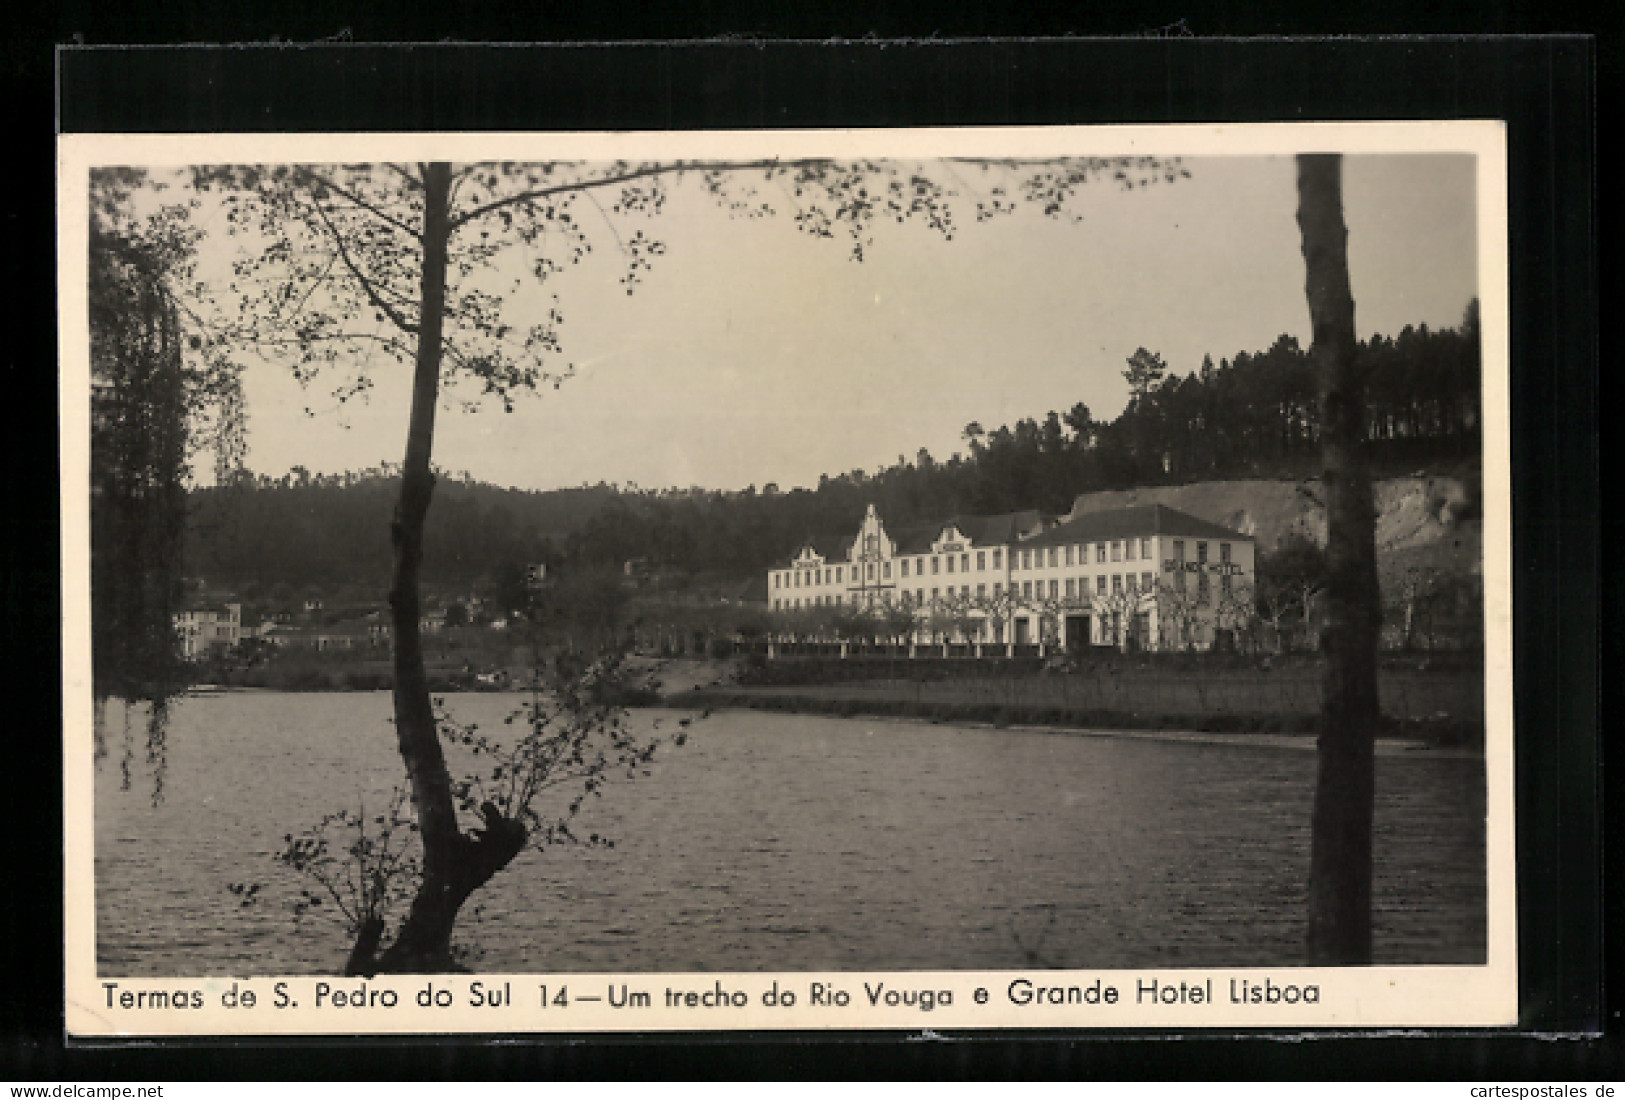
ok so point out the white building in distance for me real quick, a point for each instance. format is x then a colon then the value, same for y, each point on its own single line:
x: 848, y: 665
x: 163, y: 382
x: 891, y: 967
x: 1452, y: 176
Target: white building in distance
x: 205, y: 628
x: 1146, y: 577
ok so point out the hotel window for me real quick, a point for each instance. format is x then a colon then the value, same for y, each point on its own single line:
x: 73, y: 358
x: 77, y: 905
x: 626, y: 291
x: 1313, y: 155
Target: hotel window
x: 964, y: 563
x: 885, y: 571
x: 997, y: 556
x: 934, y: 592
x: 981, y: 560
x: 936, y: 565
x: 1100, y: 551
x: 1069, y: 555
x: 798, y: 578
x: 1117, y: 550
x: 775, y: 580
x: 1145, y: 581
x: 1054, y: 589
x: 837, y: 598
x: 1071, y: 588
x: 1054, y: 557
x: 919, y: 596
x: 950, y: 563
x: 1100, y: 584
x: 1202, y: 593
x: 1128, y: 550
x: 1224, y: 583
x: 1027, y: 588
x: 1117, y: 583
x: 964, y: 590
x: 1201, y: 552
x: 1132, y: 582
x: 869, y: 571
x: 1179, y: 549
x: 998, y: 587
x: 826, y: 576
x: 1224, y: 552
x: 1145, y: 549
x: 981, y: 591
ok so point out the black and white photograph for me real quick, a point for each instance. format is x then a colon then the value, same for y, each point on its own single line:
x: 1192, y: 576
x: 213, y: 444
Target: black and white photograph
x: 738, y: 580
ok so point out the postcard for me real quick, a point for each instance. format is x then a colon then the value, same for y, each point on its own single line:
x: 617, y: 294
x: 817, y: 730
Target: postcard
x: 879, y: 579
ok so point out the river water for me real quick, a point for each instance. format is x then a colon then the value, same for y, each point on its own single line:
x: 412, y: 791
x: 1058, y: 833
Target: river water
x: 794, y: 843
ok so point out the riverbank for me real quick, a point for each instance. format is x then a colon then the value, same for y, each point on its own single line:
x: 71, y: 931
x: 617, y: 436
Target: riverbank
x: 1442, y: 733
x: 1423, y: 705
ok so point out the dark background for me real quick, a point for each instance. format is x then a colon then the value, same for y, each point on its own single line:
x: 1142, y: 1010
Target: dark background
x: 1545, y: 88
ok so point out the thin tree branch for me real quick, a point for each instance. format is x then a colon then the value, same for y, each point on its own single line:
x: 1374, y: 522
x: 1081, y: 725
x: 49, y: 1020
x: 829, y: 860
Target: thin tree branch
x: 675, y: 168
x: 410, y: 180
x: 361, y: 203
x: 373, y: 296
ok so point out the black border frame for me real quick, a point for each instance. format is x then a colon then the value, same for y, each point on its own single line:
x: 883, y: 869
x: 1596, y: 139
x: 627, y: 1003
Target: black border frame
x: 1545, y: 88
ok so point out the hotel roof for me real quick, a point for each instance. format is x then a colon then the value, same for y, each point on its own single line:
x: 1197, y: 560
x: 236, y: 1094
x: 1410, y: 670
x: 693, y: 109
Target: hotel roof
x: 999, y: 530
x: 1134, y: 522
x: 831, y: 548
x: 916, y: 538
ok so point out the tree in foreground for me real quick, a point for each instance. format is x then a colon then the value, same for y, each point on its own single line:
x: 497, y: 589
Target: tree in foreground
x: 1340, y: 859
x: 440, y: 267
x: 153, y: 402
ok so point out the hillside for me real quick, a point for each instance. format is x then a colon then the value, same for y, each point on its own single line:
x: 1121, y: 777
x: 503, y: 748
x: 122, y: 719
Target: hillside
x: 1422, y: 520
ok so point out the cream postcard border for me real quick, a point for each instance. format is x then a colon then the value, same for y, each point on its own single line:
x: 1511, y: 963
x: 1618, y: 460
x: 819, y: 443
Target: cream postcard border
x: 1374, y: 997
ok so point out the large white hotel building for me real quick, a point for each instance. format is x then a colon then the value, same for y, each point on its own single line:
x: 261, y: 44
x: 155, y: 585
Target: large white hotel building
x: 1148, y: 577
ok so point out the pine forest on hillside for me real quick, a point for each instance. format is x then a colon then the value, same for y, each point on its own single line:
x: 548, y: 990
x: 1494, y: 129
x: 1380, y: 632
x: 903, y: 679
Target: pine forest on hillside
x: 1252, y: 416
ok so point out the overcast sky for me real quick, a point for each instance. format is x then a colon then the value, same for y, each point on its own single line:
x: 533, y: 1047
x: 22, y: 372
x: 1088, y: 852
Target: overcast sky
x: 753, y: 353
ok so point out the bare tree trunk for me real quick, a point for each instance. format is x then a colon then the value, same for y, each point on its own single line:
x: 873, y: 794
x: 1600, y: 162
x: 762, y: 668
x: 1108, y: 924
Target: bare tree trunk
x: 454, y: 865
x: 1340, y: 860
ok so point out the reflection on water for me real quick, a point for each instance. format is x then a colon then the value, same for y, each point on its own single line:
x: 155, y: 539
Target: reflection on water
x: 781, y: 842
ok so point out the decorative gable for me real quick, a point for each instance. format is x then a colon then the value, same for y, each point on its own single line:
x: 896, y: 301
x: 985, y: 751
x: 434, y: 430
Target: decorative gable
x: 872, y: 542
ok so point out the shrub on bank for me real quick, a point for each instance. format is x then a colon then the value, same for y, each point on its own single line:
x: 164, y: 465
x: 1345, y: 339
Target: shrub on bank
x: 1442, y: 732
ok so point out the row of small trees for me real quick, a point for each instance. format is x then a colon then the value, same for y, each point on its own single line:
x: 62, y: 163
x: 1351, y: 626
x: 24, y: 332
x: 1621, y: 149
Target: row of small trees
x: 960, y: 618
x: 1422, y: 608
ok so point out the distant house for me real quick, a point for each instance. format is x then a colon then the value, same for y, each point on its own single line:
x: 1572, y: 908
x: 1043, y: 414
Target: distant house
x: 203, y: 629
x: 349, y: 635
x: 282, y: 635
